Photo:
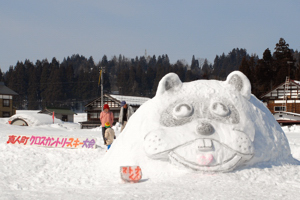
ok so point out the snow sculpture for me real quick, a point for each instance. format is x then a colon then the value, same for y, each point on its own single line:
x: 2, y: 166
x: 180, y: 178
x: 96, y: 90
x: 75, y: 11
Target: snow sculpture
x: 32, y: 119
x: 204, y: 125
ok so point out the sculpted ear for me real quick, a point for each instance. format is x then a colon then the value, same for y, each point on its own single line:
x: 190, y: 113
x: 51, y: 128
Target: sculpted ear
x: 236, y: 80
x: 169, y: 83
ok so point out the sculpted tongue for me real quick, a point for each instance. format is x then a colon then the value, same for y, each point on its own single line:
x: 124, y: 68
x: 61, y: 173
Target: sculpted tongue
x: 205, y: 159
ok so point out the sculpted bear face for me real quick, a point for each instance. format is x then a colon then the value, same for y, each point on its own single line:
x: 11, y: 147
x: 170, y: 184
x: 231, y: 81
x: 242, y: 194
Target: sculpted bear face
x: 202, y: 125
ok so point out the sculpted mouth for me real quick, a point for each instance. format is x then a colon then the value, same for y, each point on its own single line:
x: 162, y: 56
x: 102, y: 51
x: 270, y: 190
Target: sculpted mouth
x: 207, y: 155
x: 227, y: 166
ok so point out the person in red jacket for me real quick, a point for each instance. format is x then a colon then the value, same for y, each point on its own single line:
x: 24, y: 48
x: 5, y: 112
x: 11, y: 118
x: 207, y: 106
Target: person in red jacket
x: 106, y: 116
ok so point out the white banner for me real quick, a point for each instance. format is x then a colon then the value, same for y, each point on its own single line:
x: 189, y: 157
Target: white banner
x: 49, y: 141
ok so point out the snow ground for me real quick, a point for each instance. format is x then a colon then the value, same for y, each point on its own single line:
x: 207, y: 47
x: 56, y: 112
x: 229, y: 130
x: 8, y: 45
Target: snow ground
x: 56, y: 173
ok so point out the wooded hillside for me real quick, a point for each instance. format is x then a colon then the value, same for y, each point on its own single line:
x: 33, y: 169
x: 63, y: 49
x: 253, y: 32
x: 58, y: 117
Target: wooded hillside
x: 74, y: 81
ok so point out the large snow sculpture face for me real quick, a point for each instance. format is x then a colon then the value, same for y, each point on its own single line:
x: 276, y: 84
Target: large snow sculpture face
x: 202, y: 124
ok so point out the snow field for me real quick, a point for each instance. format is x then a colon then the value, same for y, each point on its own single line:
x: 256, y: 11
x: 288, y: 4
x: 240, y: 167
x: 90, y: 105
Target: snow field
x: 56, y: 173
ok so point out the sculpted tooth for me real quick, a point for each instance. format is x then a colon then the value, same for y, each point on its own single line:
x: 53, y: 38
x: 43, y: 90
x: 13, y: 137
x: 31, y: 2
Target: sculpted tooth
x: 208, y: 143
x: 201, y: 143
x: 204, y: 144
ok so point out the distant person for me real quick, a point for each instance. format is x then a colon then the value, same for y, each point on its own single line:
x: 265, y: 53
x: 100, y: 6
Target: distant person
x: 106, y: 116
x: 125, y: 113
x: 109, y: 135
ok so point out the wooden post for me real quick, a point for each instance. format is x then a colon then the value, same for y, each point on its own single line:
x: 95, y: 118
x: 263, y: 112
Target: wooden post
x: 101, y: 88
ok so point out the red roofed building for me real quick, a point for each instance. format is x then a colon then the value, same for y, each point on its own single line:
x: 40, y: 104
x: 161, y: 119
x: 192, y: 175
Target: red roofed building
x: 284, y: 101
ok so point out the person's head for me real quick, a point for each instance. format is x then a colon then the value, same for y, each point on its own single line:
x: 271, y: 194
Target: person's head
x: 106, y: 107
x: 123, y: 104
x: 107, y: 125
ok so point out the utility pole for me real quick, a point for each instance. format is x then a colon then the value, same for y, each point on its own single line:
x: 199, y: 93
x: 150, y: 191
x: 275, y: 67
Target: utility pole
x: 289, y: 65
x: 102, y: 70
x: 286, y: 88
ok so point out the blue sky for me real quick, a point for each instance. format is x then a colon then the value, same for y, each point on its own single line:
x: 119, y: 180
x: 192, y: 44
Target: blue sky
x: 35, y: 29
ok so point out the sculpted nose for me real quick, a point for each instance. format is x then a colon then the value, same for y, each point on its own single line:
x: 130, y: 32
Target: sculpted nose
x: 205, y: 128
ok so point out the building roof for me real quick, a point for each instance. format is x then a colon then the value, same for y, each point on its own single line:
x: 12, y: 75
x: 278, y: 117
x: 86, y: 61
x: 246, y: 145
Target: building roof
x: 131, y: 100
x: 285, y: 121
x: 297, y: 82
x: 293, y: 88
x: 5, y: 90
x: 288, y: 113
x: 64, y: 111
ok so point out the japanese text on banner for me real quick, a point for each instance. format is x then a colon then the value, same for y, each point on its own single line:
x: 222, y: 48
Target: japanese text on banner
x: 48, y: 141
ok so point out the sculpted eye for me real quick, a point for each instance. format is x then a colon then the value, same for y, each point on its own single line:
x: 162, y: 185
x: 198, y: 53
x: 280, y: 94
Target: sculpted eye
x: 182, y: 110
x: 220, y: 109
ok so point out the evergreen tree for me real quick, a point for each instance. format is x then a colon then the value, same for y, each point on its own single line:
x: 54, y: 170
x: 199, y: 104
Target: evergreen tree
x: 33, y: 89
x: 223, y: 65
x: 206, y: 69
x: 141, y: 80
x: 284, y: 61
x: 150, y: 76
x: 179, y: 69
x: 245, y: 68
x: 143, y: 85
x: 131, y: 83
x: 160, y: 72
x: 1, y: 76
x: 296, y: 56
x: 70, y: 82
x: 252, y: 62
x: 20, y: 85
x: 44, y: 82
x: 55, y: 92
x: 10, y: 78
x: 189, y: 76
x: 196, y: 71
x: 194, y: 64
x: 38, y: 72
x: 122, y: 81
x: 82, y: 91
x: 106, y: 83
x: 152, y: 63
x: 217, y: 67
x: 143, y: 63
x: 104, y: 61
x: 248, y: 68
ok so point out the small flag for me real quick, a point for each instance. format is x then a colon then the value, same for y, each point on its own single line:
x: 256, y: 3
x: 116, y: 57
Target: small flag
x: 53, y: 117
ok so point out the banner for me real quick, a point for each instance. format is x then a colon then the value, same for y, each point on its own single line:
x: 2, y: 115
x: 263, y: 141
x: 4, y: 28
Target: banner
x: 58, y: 142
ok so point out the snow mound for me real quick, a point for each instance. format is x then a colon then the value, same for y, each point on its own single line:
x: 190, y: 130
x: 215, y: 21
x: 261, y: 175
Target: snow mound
x: 204, y: 125
x: 34, y: 119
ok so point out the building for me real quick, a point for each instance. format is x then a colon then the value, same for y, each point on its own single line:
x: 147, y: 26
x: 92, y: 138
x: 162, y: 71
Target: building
x: 284, y: 101
x: 64, y: 114
x: 94, y: 109
x: 287, y: 118
x: 6, y: 101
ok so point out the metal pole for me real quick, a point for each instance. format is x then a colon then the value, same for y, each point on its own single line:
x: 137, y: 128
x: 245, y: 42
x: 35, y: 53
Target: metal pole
x: 101, y: 88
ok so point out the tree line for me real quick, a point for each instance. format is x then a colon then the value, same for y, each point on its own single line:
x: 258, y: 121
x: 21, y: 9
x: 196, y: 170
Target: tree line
x: 272, y: 69
x: 75, y: 81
